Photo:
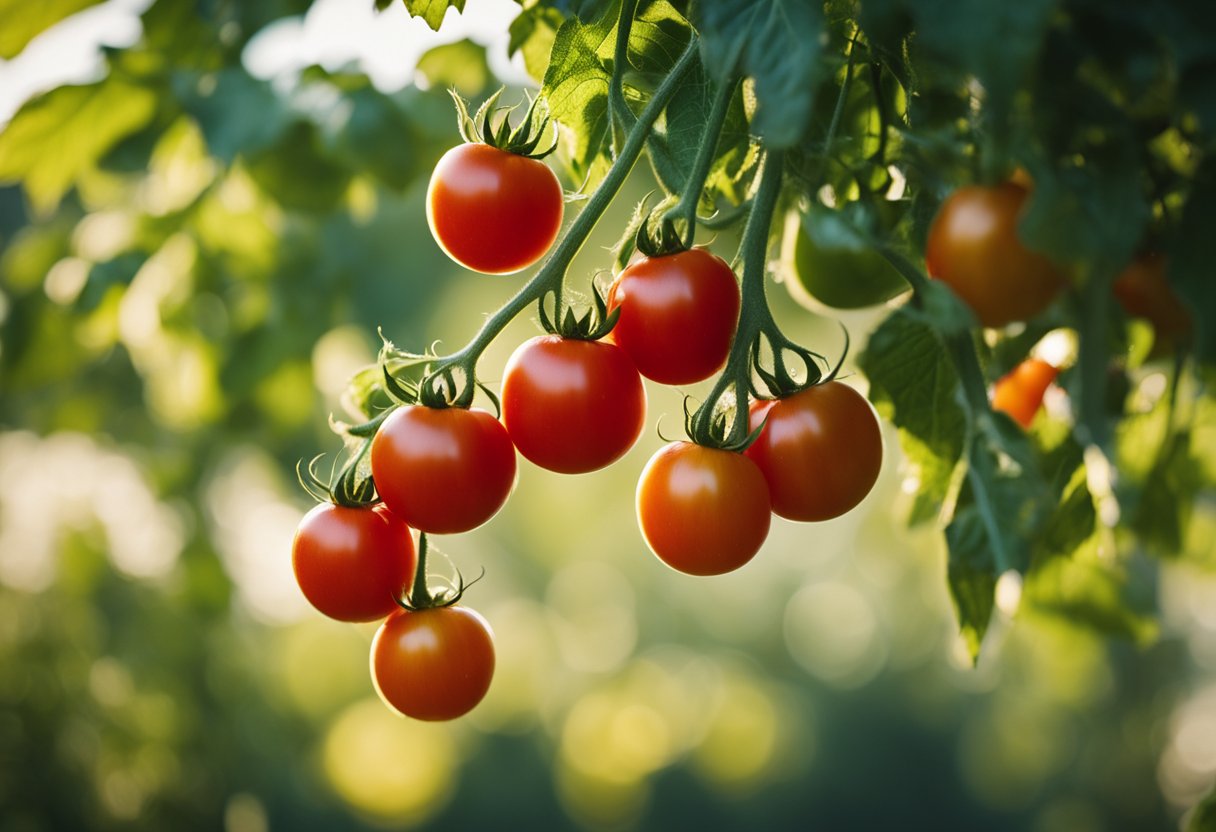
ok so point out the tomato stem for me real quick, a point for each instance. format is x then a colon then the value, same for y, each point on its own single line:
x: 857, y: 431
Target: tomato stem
x: 550, y: 276
x: 420, y: 597
x: 686, y: 208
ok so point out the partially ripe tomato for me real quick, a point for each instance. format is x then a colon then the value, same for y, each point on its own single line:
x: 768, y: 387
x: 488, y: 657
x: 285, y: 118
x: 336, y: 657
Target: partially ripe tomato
x: 973, y: 247
x: 433, y: 664
x: 703, y: 511
x: 1144, y: 292
x: 820, y: 450
x: 493, y: 211
x: 352, y: 564
x: 1020, y: 392
x: 678, y: 315
x: 443, y: 470
x: 572, y: 406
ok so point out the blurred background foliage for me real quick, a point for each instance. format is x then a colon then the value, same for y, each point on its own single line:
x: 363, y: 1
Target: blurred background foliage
x: 195, y: 254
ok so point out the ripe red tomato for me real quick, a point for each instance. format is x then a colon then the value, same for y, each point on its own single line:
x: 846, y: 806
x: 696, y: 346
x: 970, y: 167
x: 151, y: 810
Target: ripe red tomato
x: 703, y: 511
x: 820, y: 451
x: 443, y: 470
x: 1144, y: 292
x: 493, y: 211
x: 572, y: 406
x: 678, y: 315
x: 433, y: 664
x: 973, y: 246
x: 1020, y: 392
x: 353, y: 563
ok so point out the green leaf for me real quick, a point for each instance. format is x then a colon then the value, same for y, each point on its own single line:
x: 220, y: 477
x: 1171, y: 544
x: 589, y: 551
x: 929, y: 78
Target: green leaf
x: 58, y: 136
x: 236, y: 112
x: 298, y: 173
x: 1167, y: 497
x: 777, y: 44
x: 433, y: 11
x: 21, y: 22
x: 971, y: 573
x: 913, y: 384
x: 1203, y: 816
x: 461, y: 65
x: 532, y: 34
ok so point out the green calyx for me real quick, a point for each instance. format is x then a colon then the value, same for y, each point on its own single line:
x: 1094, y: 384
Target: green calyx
x: 591, y: 325
x: 657, y: 237
x: 524, y: 139
x: 719, y: 430
x: 421, y: 596
x: 352, y: 487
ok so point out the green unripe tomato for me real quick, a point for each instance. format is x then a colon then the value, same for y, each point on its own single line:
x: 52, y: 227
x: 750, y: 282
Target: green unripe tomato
x: 835, y: 267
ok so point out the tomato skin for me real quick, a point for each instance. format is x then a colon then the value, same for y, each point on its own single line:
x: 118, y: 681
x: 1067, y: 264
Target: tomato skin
x: 1020, y: 391
x: 353, y: 563
x: 841, y: 277
x: 572, y: 406
x: 433, y: 664
x: 820, y: 451
x: 443, y: 470
x: 973, y: 246
x: 493, y: 211
x: 1144, y: 292
x: 678, y: 315
x: 703, y: 511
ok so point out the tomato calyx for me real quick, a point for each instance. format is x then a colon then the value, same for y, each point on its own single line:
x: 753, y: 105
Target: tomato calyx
x: 523, y: 140
x: 352, y: 487
x: 658, y: 238
x: 718, y: 431
x: 422, y: 597
x: 590, y: 325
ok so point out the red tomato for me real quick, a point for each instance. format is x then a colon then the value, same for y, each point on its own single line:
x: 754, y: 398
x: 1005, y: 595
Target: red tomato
x: 703, y: 511
x: 678, y: 315
x: 353, y: 563
x: 433, y: 664
x: 493, y: 211
x: 973, y: 246
x: 820, y: 450
x: 1144, y: 292
x: 443, y: 470
x: 572, y: 406
x: 1020, y: 392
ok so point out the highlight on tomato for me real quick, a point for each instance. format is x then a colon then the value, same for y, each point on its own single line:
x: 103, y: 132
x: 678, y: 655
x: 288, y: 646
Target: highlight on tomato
x: 492, y: 204
x: 353, y: 562
x: 678, y: 314
x: 443, y: 470
x: 703, y: 511
x: 820, y: 450
x: 974, y: 247
x: 572, y: 405
x: 433, y: 664
x: 1020, y: 391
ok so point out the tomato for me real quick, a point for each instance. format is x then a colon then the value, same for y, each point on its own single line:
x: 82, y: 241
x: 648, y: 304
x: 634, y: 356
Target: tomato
x: 703, y: 511
x: 678, y: 315
x: 1020, y: 392
x: 493, y: 211
x: 845, y: 275
x: 973, y: 247
x: 572, y: 406
x: 1144, y: 292
x: 353, y: 563
x: 820, y: 450
x: 433, y: 664
x: 443, y: 470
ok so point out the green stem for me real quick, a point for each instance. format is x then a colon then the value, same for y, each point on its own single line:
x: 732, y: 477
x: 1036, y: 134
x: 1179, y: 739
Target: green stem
x: 754, y: 316
x: 686, y: 208
x: 420, y: 595
x: 619, y: 115
x: 551, y: 274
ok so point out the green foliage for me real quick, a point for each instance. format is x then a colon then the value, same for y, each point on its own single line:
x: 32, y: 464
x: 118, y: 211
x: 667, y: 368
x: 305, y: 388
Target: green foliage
x: 22, y: 22
x: 433, y: 11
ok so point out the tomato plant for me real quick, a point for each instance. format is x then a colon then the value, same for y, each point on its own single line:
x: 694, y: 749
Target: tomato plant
x: 702, y: 511
x: 433, y: 664
x: 570, y: 405
x: 1144, y: 292
x: 353, y: 563
x: 1020, y: 392
x: 820, y: 450
x: 443, y: 470
x: 492, y: 210
x: 974, y: 246
x: 677, y: 314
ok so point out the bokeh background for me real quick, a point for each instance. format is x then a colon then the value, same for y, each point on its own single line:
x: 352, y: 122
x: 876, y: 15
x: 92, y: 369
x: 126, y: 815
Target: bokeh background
x: 207, y: 209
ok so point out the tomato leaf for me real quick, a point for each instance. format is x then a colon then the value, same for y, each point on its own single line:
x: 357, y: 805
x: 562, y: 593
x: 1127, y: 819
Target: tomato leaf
x: 532, y: 34
x: 461, y: 65
x: 777, y: 44
x: 433, y: 11
x: 914, y: 385
x: 21, y: 22
x: 971, y: 573
x: 57, y: 137
x: 236, y: 112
